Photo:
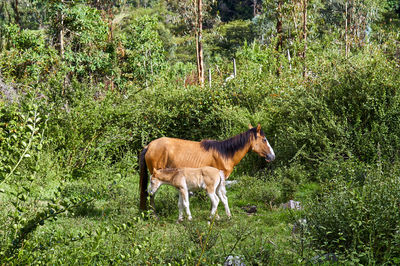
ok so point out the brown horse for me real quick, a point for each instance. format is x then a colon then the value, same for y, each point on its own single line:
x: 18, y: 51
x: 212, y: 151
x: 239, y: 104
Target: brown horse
x: 178, y: 153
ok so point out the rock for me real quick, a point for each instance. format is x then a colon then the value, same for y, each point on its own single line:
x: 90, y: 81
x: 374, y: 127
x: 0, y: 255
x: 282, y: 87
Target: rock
x: 250, y: 209
x: 292, y: 205
x: 324, y: 258
x: 234, y: 261
x: 230, y: 183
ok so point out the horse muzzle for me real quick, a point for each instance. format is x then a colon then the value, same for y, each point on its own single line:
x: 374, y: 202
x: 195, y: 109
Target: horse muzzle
x: 151, y: 192
x: 270, y: 157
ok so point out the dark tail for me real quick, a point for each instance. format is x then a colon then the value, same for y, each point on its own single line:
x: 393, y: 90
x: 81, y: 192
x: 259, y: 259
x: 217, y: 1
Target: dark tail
x: 144, y: 180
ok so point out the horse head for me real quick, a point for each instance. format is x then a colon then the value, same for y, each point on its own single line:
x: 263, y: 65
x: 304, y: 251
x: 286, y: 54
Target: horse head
x: 155, y: 182
x: 261, y: 146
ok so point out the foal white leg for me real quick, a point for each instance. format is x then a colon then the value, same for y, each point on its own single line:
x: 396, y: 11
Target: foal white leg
x: 221, y: 191
x: 214, y: 204
x: 180, y: 206
x: 185, y: 200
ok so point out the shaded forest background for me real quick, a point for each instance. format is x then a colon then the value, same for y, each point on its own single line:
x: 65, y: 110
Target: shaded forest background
x: 84, y: 85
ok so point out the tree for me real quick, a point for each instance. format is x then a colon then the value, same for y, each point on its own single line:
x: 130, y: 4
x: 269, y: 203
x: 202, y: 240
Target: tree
x: 144, y: 54
x: 352, y: 18
x: 199, y: 45
x: 28, y: 14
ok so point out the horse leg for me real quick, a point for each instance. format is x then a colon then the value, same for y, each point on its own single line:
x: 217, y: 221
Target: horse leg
x: 214, y: 205
x: 185, y: 200
x: 222, y: 195
x: 180, y: 206
x: 152, y: 203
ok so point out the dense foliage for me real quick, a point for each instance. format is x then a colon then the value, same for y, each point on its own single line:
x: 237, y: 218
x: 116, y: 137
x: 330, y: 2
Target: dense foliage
x: 84, y: 85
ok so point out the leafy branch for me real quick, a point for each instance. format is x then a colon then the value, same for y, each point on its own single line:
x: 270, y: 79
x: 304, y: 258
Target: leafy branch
x: 25, y: 154
x: 23, y: 233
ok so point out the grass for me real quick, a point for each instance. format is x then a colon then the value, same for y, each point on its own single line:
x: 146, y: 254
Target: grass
x: 111, y: 229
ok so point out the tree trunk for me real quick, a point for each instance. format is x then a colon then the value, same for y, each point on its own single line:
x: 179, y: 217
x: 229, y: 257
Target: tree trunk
x: 346, y: 30
x: 62, y: 44
x: 111, y: 37
x: 279, y: 32
x: 62, y: 32
x: 16, y: 11
x: 199, y: 48
x: 279, y: 29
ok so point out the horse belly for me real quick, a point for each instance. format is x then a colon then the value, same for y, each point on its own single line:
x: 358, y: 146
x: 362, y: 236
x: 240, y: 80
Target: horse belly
x: 194, y: 184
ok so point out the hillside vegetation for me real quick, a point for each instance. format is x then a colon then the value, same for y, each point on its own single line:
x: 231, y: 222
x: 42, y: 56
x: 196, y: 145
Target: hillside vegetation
x: 85, y: 85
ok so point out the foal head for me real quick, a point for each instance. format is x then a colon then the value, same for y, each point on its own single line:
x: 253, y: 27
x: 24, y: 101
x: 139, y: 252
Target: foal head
x: 260, y: 145
x: 159, y: 177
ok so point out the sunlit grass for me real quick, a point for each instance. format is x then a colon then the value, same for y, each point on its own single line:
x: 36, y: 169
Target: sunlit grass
x: 112, y: 229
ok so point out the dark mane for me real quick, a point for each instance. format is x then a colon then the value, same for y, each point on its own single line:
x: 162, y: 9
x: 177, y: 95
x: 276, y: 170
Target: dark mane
x: 227, y: 148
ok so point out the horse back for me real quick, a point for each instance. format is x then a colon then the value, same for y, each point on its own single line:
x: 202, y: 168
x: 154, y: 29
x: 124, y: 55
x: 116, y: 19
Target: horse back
x: 176, y: 153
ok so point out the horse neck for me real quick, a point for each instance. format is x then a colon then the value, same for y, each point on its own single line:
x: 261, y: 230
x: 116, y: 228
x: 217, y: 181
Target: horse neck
x: 166, y: 177
x: 238, y: 156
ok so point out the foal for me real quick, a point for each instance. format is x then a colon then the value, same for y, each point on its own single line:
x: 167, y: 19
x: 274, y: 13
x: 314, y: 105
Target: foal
x: 187, y: 179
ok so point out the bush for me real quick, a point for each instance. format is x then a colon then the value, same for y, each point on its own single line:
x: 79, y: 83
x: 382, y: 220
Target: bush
x: 358, y: 222
x: 27, y: 59
x: 255, y: 190
x: 348, y: 109
x: 229, y: 37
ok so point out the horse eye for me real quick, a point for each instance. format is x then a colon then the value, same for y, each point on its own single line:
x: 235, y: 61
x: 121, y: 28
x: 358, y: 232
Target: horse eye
x: 264, y: 140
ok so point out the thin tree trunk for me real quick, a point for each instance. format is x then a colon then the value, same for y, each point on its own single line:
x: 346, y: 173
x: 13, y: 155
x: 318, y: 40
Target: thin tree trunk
x: 352, y: 25
x: 17, y: 17
x: 62, y: 44
x: 62, y: 32
x: 279, y: 32
x: 234, y: 67
x: 345, y: 30
x: 279, y: 29
x: 197, y: 54
x: 209, y: 77
x: 200, y: 59
x: 111, y: 37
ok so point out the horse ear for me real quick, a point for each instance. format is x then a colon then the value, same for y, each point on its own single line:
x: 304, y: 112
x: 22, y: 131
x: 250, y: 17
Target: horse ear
x: 258, y: 128
x: 250, y: 126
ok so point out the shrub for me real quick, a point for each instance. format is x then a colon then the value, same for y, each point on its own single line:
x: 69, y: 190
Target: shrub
x: 27, y: 59
x: 358, y: 222
x: 144, y: 52
x: 258, y: 190
x: 230, y: 37
x: 348, y: 109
